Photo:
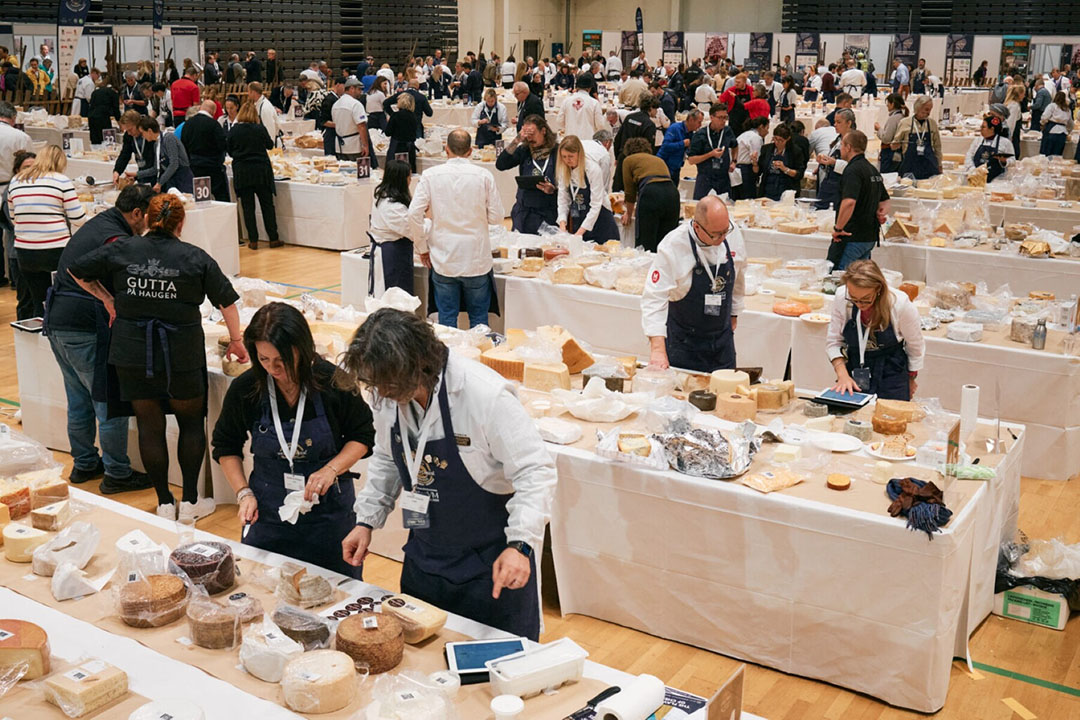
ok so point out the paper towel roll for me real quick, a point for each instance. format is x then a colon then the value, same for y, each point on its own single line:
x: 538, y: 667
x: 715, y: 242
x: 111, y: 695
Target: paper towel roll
x: 638, y: 700
x: 969, y: 409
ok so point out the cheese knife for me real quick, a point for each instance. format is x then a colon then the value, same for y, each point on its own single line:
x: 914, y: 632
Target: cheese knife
x: 589, y: 711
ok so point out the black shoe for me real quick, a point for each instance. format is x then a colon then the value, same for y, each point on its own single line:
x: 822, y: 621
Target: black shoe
x: 253, y: 244
x: 276, y: 243
x: 4, y: 282
x: 78, y: 476
x: 136, y: 481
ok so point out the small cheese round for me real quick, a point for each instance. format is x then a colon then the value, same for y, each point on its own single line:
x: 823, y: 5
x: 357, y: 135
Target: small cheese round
x: 24, y: 642
x: 838, y: 481
x: 208, y: 563
x: 858, y: 429
x: 320, y: 681
x: 736, y: 408
x: 888, y: 425
x: 21, y: 541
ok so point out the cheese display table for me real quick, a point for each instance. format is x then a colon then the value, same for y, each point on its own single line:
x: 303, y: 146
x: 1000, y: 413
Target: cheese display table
x: 1049, y: 214
x: 322, y: 216
x: 212, y: 226
x: 159, y: 658
x: 295, y: 126
x: 54, y: 136
x: 459, y: 115
x: 100, y: 170
x: 959, y: 145
x: 504, y: 179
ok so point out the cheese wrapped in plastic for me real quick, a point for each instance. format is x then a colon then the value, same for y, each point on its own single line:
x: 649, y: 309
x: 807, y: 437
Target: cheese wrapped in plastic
x: 74, y: 544
x: 266, y: 650
x: 86, y: 688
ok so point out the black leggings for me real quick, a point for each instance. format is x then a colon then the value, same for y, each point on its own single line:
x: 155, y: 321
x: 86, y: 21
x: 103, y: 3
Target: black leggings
x: 190, y: 447
x: 247, y: 196
x: 658, y: 213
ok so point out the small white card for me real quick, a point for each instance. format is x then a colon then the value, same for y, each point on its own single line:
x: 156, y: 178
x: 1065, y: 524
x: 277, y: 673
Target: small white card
x: 371, y: 623
x: 294, y: 482
x: 416, y: 502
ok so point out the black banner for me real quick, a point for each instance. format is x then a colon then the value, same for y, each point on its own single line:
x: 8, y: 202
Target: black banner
x: 906, y: 48
x: 761, y: 50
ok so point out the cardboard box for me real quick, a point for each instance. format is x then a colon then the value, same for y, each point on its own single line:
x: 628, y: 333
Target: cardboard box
x: 1031, y: 605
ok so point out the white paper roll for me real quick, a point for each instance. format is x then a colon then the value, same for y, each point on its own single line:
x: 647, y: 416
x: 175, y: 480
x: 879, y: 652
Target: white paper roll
x: 969, y: 409
x: 638, y: 700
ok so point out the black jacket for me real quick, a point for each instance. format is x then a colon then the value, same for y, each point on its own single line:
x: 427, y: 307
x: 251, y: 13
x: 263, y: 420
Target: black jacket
x: 325, y: 114
x: 474, y: 86
x: 533, y: 105
x: 278, y: 100
x: 795, y: 160
x: 248, y: 143
x: 273, y: 72
x: 636, y: 124
x: 136, y: 94
x: 204, y: 140
x: 80, y: 313
x: 253, y: 68
x: 104, y: 104
x: 423, y: 107
x: 128, y: 147
x: 211, y: 74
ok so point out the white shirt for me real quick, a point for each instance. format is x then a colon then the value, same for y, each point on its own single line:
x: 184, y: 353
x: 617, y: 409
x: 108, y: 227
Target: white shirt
x: 549, y: 72
x: 507, y: 71
x: 388, y: 74
x: 389, y: 221
x: 310, y: 74
x: 814, y: 82
x: 614, y: 66
x: 1065, y: 84
x: 904, y: 320
x: 705, y: 93
x: 603, y: 157
x: 84, y: 88
x: 375, y: 100
x: 821, y: 138
x: 638, y: 61
x: 11, y: 141
x: 1014, y: 116
x: 581, y: 115
x: 268, y: 118
x: 672, y: 273
x: 505, y: 453
x: 464, y: 201
x: 500, y: 115
x: 750, y: 142
x: 348, y: 114
x: 1001, y: 143
x: 598, y: 195
x: 853, y: 80
x: 1053, y: 113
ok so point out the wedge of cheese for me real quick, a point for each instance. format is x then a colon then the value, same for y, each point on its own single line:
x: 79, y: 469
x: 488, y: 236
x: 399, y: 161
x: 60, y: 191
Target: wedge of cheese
x: 51, y: 517
x: 24, y: 642
x: 504, y: 361
x: 20, y: 542
x: 87, y: 688
x: 545, y: 377
x: 574, y: 356
x: 419, y: 620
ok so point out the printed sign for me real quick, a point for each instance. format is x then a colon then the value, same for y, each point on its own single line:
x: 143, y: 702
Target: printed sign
x: 402, y: 157
x: 959, y: 49
x: 202, y: 191
x: 716, y: 46
x: 65, y: 140
x: 298, y: 111
x: 363, y: 167
x: 109, y: 136
x: 70, y: 19
x: 761, y: 49
x: 906, y: 48
x: 1014, y: 52
x: 674, y: 46
x: 499, y: 147
x: 807, y: 49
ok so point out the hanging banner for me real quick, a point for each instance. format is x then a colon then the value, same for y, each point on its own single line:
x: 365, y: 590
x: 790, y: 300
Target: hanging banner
x: 674, y: 47
x: 629, y: 41
x: 760, y: 55
x: 592, y: 39
x: 905, y: 48
x: 716, y: 46
x: 959, y: 49
x: 857, y: 44
x: 1014, y: 52
x: 159, y: 34
x: 640, y: 30
x: 70, y: 19
x: 807, y: 49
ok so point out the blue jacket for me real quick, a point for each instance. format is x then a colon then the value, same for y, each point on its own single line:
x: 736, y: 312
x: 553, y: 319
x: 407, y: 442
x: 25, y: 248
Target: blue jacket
x: 673, y: 150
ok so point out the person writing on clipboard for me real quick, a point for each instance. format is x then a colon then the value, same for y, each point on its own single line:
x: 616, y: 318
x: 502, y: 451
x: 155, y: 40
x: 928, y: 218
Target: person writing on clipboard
x: 473, y: 476
x: 875, y: 341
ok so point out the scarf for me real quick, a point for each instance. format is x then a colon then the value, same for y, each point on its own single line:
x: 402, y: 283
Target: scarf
x: 922, y: 503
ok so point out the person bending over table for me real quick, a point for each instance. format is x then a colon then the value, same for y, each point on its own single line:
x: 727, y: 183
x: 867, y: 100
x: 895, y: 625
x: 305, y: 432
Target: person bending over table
x: 533, y: 153
x: 694, y: 292
x: 311, y: 455
x: 584, y: 204
x: 157, y: 343
x: 863, y: 207
x: 170, y: 167
x: 133, y: 144
x: 474, y: 478
x: 652, y: 199
x: 875, y: 342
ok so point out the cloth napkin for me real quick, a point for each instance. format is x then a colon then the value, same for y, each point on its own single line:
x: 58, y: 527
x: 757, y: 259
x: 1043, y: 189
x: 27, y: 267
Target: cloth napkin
x: 295, y: 505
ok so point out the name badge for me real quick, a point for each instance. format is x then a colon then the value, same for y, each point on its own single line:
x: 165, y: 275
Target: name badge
x: 294, y: 481
x: 714, y: 303
x: 463, y: 440
x: 861, y: 376
x: 921, y: 148
x: 414, y: 501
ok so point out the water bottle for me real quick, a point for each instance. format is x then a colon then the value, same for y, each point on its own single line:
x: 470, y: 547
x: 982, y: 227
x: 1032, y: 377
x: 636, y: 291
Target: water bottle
x: 1038, y: 339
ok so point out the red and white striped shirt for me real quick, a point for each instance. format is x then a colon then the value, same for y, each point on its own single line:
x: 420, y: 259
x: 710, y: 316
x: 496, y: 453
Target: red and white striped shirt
x: 41, y: 211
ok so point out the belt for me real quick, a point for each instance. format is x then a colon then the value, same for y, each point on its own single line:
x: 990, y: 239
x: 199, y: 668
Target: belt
x: 345, y: 137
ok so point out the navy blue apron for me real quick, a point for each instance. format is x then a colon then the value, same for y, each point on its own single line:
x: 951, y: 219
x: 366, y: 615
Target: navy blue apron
x: 985, y: 155
x: 534, y: 207
x: 396, y: 147
x: 699, y: 337
x: 484, y: 134
x: 748, y: 188
x: 888, y: 161
x: 449, y: 563
x: 776, y: 182
x: 787, y: 116
x: 810, y: 95
x: 771, y: 98
x: 885, y: 357
x: 316, y: 537
x: 829, y: 184
x: 713, y: 173
x: 918, y: 82
x: 604, y: 228
x: 922, y: 164
x: 1049, y: 144
x: 396, y: 258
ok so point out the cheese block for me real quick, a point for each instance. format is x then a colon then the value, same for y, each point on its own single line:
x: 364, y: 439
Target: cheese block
x: 902, y: 409
x: 797, y: 228
x: 888, y: 425
x: 212, y: 625
x: 938, y: 242
x: 924, y: 194
x: 790, y: 308
x: 24, y: 642
x: 516, y: 337
x: 569, y: 275
x: 51, y: 517
x: 504, y: 361
x: 545, y: 377
x: 964, y: 332
x: 814, y: 300
x: 531, y: 265
x: 550, y: 253
x: 154, y: 601
x: 373, y: 638
x: 16, y: 495
x: 20, y: 542
x: 634, y: 444
x: 900, y: 229
x: 629, y: 364
x: 838, y: 481
x: 944, y: 228
x: 1041, y: 295
x: 5, y: 518
x: 910, y: 289
x: 785, y: 453
x: 775, y: 395
x: 140, y: 554
x: 726, y: 382
x: 46, y: 488
x: 772, y: 480
x: 419, y: 620
x: 611, y: 246
x: 631, y: 285
x: 207, y: 563
x: 172, y: 708
x: 780, y: 288
x: 883, y: 472
x: 771, y: 264
x: 1023, y: 329
x: 266, y: 650
x: 309, y: 630
x: 858, y: 429
x: 299, y: 588
x: 87, y: 688
x: 823, y: 423
x: 574, y: 356
x: 249, y: 607
x: 736, y: 408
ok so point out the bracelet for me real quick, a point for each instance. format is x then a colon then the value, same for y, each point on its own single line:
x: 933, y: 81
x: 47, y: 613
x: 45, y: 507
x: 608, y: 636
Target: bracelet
x: 331, y: 466
x: 244, y: 493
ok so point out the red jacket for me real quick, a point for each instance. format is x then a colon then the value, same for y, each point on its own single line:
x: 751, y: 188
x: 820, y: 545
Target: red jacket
x: 758, y: 107
x: 185, y: 93
x: 728, y: 98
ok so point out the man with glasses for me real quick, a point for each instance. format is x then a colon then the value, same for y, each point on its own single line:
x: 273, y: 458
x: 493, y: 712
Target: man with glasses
x: 863, y: 207
x: 694, y: 292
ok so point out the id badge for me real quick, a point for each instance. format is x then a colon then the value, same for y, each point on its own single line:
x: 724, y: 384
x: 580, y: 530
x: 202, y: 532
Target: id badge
x: 718, y: 164
x: 294, y: 482
x: 714, y: 302
x: 414, y: 510
x: 921, y: 148
x: 861, y: 376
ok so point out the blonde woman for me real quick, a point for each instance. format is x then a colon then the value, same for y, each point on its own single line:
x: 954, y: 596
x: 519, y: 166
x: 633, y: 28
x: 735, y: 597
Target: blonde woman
x: 584, y: 205
x: 875, y: 342
x: 43, y: 207
x: 1013, y: 122
x: 490, y: 119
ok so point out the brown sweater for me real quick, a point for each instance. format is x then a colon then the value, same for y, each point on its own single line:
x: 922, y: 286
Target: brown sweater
x: 639, y: 166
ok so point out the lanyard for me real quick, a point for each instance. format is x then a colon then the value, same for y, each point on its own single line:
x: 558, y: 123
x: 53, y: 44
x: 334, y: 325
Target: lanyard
x: 864, y: 337
x: 413, y: 461
x: 138, y: 143
x: 541, y: 168
x: 711, y: 272
x: 921, y: 137
x: 708, y: 134
x: 289, y: 451
x: 160, y: 142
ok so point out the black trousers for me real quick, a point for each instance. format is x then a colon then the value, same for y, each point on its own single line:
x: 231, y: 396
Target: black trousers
x: 658, y: 212
x: 219, y: 184
x: 247, y: 196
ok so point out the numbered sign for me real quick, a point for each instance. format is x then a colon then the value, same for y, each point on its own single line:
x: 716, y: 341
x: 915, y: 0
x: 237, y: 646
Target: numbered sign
x: 20, y: 126
x: 402, y: 157
x: 298, y: 111
x: 109, y: 136
x: 499, y: 147
x: 203, y: 193
x: 65, y: 140
x: 363, y: 168
x: 945, y: 115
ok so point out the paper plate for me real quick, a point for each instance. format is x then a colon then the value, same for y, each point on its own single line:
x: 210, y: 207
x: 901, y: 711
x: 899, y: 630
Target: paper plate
x: 816, y: 318
x: 835, y: 442
x: 874, y: 449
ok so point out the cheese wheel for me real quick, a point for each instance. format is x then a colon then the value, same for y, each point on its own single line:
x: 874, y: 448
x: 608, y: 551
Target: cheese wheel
x: 250, y: 608
x: 154, y: 601
x: 553, y: 252
x: 89, y: 687
x: 301, y: 589
x: 574, y: 356
x: 772, y: 396
x: 320, y: 681
x: 504, y: 361
x: 546, y: 377
x: 858, y: 429
x: 531, y: 265
x: 736, y: 408
x: 903, y: 409
x: 812, y: 300
x: 213, y: 625
x: 24, y: 642
x: 419, y: 620
x: 21, y: 541
x: 726, y: 382
x: 814, y: 410
x: 790, y: 308
x: 838, y: 481
x: 51, y: 517
x: 373, y: 638
x: 207, y: 563
x: 888, y: 425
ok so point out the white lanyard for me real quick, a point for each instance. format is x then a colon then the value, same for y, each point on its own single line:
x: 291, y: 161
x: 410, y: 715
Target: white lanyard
x: 160, y: 142
x: 289, y: 451
x: 712, y: 273
x: 708, y: 134
x: 542, y: 169
x: 921, y: 137
x: 413, y: 461
x: 864, y: 337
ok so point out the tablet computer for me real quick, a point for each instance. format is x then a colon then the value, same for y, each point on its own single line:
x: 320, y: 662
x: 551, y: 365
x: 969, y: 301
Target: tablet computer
x: 844, y: 400
x: 467, y: 659
x: 529, y: 182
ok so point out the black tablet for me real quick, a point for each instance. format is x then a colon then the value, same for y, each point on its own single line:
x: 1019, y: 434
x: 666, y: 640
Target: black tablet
x: 529, y: 182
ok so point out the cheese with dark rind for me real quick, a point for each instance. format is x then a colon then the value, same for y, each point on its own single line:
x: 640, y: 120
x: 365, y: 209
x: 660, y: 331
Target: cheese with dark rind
x: 376, y: 639
x: 308, y: 629
x: 207, y: 563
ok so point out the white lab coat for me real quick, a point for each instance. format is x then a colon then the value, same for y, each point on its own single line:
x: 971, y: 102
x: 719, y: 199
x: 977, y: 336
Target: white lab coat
x: 348, y: 115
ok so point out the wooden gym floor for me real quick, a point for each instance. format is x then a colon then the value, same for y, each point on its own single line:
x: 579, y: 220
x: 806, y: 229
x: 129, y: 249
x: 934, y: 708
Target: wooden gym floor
x: 1038, y: 668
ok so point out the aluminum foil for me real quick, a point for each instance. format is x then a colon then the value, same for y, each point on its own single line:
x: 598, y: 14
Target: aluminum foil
x: 711, y: 454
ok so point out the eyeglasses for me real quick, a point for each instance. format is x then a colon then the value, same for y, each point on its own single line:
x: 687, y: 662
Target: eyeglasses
x: 863, y: 302
x: 714, y: 235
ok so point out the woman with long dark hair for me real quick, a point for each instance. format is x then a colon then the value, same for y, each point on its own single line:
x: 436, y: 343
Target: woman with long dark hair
x: 391, y: 263
x: 305, y: 435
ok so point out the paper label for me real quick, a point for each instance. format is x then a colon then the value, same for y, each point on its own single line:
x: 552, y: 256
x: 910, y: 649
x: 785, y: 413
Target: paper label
x: 1032, y: 609
x: 204, y: 550
x: 406, y: 696
x: 133, y: 576
x: 4, y: 635
x: 77, y: 675
x: 94, y: 667
x: 371, y: 623
x: 415, y: 502
x: 294, y: 482
x: 184, y: 640
x: 442, y: 679
x: 20, y: 531
x: 412, y: 608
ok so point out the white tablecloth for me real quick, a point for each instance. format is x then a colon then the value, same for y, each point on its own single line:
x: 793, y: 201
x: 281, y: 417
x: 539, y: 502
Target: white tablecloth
x: 53, y: 136
x: 461, y: 115
x: 296, y: 126
x: 100, y: 170
x: 504, y: 179
x: 1048, y: 214
x: 321, y: 216
x: 1028, y: 148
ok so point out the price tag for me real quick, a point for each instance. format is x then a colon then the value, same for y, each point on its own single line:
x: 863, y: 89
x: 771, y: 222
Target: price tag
x: 294, y: 482
x: 65, y: 140
x: 402, y: 157
x: 132, y: 577
x: 363, y: 167
x: 77, y: 675
x: 204, y: 550
x: 371, y: 623
x: 202, y: 191
x: 415, y: 502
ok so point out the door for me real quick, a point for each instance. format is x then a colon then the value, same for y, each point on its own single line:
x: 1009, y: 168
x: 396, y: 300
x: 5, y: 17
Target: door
x: 532, y: 49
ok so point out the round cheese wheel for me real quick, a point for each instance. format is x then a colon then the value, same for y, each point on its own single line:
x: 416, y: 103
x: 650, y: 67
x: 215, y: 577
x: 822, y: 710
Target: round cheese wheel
x: 736, y: 408
x: 154, y: 601
x: 838, y: 481
x: 373, y: 638
x: 208, y: 563
x: 320, y: 681
x: 726, y: 382
x: 889, y: 425
x: 790, y: 308
x: 22, y: 641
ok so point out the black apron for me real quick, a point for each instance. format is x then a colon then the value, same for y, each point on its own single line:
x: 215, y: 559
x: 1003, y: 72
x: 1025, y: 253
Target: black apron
x: 713, y: 173
x: 776, y: 182
x: 396, y: 259
x: 603, y: 229
x: 699, y: 334
x: 535, y: 207
x: 985, y: 155
x: 484, y: 134
x: 919, y: 158
x: 888, y: 161
x: 829, y: 183
x: 885, y: 358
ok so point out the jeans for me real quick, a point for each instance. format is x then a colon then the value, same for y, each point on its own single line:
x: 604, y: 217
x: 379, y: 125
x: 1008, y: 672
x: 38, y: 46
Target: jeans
x: 854, y: 251
x: 76, y: 353
x: 448, y: 292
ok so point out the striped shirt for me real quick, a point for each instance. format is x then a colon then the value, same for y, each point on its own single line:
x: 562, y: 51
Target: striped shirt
x: 41, y: 210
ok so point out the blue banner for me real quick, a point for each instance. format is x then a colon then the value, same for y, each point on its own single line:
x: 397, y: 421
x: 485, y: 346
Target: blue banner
x: 72, y: 13
x: 70, y: 19
x: 640, y: 30
x: 159, y: 14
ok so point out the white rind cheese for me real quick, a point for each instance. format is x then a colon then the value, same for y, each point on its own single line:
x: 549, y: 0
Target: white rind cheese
x: 265, y: 654
x: 319, y: 681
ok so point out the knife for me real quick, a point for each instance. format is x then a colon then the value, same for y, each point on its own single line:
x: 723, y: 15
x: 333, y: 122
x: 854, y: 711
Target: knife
x: 590, y: 707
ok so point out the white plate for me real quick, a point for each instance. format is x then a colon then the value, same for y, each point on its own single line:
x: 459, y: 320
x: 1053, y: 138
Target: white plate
x: 816, y: 318
x: 874, y: 450
x: 835, y: 442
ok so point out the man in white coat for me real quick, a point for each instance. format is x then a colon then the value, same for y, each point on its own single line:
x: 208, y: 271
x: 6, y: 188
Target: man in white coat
x: 350, y: 122
x: 267, y: 112
x: 582, y: 114
x: 853, y: 80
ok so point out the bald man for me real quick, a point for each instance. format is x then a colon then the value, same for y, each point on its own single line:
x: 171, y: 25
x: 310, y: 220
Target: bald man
x: 694, y: 292
x: 204, y: 140
x: 528, y: 104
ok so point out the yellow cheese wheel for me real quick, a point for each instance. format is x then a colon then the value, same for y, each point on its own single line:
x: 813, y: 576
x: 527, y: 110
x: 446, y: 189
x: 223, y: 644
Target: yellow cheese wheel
x: 736, y: 408
x: 727, y: 382
x: 504, y: 361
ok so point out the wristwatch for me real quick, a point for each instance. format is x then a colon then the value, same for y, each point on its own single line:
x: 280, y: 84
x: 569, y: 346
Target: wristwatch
x: 522, y: 547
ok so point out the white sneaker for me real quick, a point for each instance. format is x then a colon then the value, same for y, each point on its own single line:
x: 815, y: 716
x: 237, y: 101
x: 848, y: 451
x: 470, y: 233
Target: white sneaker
x: 197, y: 510
x: 167, y: 511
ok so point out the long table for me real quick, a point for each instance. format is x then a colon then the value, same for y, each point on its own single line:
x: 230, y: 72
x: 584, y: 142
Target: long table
x: 55, y: 136
x: 322, y: 216
x: 1049, y: 214
x: 959, y: 144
